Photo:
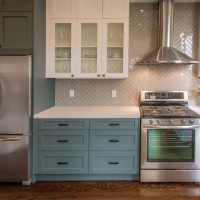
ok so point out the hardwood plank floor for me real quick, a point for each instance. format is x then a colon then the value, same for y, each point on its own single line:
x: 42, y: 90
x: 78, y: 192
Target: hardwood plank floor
x: 101, y: 190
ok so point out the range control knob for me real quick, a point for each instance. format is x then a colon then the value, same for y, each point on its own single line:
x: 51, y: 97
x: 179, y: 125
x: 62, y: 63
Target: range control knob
x: 183, y: 121
x: 171, y: 121
x: 151, y: 121
x: 191, y: 121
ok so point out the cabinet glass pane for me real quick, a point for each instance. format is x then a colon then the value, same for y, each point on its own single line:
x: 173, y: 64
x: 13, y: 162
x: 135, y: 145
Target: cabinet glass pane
x: 115, y: 34
x: 62, y: 48
x: 88, y: 48
x: 89, y: 35
x: 63, y: 66
x: 115, y: 66
x: 115, y: 40
x: 63, y: 34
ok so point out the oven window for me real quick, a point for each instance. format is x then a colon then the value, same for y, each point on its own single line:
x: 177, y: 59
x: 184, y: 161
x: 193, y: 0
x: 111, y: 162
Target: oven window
x: 170, y: 145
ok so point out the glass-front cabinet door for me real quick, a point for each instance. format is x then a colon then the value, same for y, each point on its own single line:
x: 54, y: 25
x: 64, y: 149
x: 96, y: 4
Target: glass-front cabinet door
x: 115, y: 49
x: 89, y: 48
x: 60, y: 49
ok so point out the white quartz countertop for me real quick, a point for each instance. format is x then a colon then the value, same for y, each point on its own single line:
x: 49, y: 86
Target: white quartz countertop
x: 90, y: 112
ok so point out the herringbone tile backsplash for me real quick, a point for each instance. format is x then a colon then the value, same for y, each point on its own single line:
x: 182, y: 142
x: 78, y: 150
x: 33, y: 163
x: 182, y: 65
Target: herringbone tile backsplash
x: 143, y: 37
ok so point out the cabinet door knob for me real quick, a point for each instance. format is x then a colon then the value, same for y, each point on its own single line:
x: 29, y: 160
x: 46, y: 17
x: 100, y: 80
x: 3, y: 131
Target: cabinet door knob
x: 72, y: 75
x: 104, y: 75
x: 98, y: 75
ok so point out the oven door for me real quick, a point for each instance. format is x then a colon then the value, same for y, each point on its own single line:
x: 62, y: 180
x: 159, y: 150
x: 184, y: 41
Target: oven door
x: 170, y: 147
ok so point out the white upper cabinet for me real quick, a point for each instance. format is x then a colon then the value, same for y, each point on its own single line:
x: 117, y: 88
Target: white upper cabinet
x: 88, y: 9
x: 87, y: 39
x: 61, y: 8
x: 115, y: 9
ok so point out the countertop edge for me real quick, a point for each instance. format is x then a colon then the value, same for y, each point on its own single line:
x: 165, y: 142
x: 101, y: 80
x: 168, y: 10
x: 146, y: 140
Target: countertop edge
x: 89, y: 112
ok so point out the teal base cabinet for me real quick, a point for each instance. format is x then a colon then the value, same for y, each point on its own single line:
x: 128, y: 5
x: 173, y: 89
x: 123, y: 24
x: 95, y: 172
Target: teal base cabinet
x: 85, y: 149
x: 113, y: 162
x: 72, y: 162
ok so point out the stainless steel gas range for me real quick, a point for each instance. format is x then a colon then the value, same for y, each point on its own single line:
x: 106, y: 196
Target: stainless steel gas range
x: 170, y: 138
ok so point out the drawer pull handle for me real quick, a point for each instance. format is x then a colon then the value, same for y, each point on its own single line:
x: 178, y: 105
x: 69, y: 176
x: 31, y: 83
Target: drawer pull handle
x: 113, y: 163
x: 62, y: 163
x: 114, y: 124
x: 62, y: 141
x: 63, y: 124
x: 113, y: 141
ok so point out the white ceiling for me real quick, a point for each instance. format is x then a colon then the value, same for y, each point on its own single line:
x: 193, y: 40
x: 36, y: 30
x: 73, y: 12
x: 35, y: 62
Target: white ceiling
x: 152, y: 1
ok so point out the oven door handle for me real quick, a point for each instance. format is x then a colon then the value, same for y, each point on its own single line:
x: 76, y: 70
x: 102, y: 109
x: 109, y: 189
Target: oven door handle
x: 171, y: 127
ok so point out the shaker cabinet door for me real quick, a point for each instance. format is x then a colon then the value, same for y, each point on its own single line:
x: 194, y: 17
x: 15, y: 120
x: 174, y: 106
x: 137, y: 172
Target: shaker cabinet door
x: 115, y: 9
x: 16, y: 5
x: 15, y: 30
x: 60, y: 48
x: 89, y: 47
x: 115, y: 48
x: 61, y: 8
x: 89, y: 9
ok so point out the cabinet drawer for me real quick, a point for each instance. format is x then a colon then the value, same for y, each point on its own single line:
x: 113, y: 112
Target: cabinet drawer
x: 73, y: 162
x: 63, y: 140
x: 63, y: 124
x: 112, y: 162
x: 114, y: 124
x: 114, y: 140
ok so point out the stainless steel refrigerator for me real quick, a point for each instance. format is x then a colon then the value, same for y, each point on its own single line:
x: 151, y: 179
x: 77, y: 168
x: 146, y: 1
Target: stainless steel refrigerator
x: 15, y: 115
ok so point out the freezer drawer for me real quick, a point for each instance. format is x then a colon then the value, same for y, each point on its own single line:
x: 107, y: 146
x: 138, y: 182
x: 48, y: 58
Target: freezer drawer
x: 14, y: 157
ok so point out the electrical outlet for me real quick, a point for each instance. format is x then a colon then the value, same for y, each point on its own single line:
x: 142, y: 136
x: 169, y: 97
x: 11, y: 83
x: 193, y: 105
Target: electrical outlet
x: 114, y: 93
x: 71, y: 93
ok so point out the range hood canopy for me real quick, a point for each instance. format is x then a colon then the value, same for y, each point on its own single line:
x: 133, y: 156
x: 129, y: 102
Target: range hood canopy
x: 165, y: 52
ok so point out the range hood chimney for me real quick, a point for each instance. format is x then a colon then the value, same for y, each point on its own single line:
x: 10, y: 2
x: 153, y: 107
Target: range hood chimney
x: 166, y: 53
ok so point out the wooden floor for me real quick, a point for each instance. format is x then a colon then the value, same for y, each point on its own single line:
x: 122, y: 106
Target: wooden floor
x: 116, y: 190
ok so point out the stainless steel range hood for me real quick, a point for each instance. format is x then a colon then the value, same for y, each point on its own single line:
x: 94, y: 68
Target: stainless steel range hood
x: 165, y: 52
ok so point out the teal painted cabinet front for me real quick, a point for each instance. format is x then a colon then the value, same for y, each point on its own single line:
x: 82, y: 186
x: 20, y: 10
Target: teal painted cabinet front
x: 62, y: 146
x: 114, y: 146
x: 114, y: 139
x: 63, y: 140
x: 64, y: 162
x: 86, y: 148
x: 63, y: 124
x: 114, y: 124
x: 113, y: 162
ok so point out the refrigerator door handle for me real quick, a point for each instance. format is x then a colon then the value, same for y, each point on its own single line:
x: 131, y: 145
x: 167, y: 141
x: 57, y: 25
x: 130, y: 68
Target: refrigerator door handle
x: 9, y: 139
